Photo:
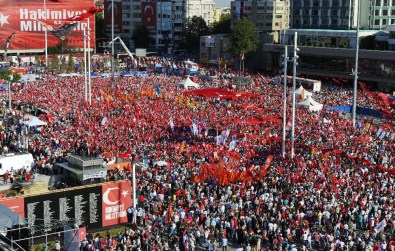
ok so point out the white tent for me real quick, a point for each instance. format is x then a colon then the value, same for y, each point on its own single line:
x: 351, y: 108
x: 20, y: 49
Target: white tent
x: 34, y: 121
x: 303, y: 92
x: 188, y: 83
x: 311, y: 104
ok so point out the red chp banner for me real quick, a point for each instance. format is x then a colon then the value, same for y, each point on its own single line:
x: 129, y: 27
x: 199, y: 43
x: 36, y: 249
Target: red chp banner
x: 29, y: 19
x: 115, y: 201
x: 16, y: 204
x: 148, y: 15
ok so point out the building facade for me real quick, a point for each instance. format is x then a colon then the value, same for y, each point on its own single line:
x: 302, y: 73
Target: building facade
x: 381, y: 13
x: 165, y: 19
x: 268, y: 16
x: 213, y: 49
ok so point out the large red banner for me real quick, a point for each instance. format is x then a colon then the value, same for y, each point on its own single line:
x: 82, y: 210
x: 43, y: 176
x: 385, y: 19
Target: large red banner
x: 117, y: 16
x: 16, y: 204
x: 148, y: 15
x: 27, y: 19
x: 116, y: 198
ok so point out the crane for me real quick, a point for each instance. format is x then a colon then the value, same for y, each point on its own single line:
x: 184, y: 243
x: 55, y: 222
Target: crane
x: 124, y: 46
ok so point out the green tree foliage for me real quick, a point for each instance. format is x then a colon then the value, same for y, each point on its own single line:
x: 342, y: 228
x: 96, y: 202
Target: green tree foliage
x: 222, y: 26
x: 141, y: 37
x: 5, y: 74
x: 54, y: 63
x: 99, y: 25
x: 37, y: 60
x: 243, y: 38
x: 70, y: 64
x: 368, y: 43
x: 195, y: 28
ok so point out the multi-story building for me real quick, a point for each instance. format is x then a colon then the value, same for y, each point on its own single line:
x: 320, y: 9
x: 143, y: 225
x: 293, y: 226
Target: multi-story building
x: 218, y: 12
x: 164, y: 18
x: 337, y: 14
x: 268, y: 16
x: 381, y: 13
x: 200, y: 8
x: 326, y: 14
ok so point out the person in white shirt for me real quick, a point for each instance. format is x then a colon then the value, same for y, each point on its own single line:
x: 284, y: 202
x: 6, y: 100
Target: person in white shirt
x: 224, y: 244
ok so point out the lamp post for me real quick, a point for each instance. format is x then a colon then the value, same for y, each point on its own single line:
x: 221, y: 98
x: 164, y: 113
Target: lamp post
x: 295, y: 59
x: 9, y: 93
x: 285, y: 63
x: 355, y: 72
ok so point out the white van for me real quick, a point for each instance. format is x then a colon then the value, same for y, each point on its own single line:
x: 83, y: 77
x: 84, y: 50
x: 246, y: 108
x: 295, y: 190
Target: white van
x: 16, y: 161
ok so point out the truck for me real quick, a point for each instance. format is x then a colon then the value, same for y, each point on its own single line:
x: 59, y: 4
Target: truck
x: 15, y: 162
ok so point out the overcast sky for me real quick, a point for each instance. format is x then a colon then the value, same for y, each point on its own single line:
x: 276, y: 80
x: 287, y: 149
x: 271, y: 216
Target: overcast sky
x: 222, y: 3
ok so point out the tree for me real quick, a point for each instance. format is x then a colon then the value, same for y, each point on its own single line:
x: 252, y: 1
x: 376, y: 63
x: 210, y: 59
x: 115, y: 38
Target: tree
x: 54, y: 63
x: 99, y: 25
x: 141, y: 37
x: 37, y: 60
x: 70, y: 65
x: 195, y: 28
x: 222, y: 26
x: 5, y: 74
x: 243, y: 38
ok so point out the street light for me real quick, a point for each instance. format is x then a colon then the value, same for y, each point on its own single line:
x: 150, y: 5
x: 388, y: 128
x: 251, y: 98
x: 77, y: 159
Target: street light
x: 9, y: 92
x: 285, y: 63
x: 355, y: 72
x: 295, y: 62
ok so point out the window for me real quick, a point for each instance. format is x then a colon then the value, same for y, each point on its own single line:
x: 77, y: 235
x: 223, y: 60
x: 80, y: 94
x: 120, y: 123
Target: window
x: 279, y: 16
x: 315, y: 12
x: 393, y: 12
x: 377, y: 12
x: 378, y: 2
x: 385, y: 2
x: 384, y: 22
x: 268, y: 24
x: 126, y: 15
x: 385, y: 12
x: 377, y: 22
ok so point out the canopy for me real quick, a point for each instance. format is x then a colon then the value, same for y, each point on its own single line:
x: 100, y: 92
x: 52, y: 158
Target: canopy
x: 34, y: 121
x: 303, y: 92
x: 311, y: 104
x: 8, y: 218
x: 188, y: 83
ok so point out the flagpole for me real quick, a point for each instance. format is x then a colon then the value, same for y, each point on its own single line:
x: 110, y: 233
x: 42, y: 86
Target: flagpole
x: 45, y: 34
x: 89, y: 66
x: 112, y: 45
x: 85, y: 79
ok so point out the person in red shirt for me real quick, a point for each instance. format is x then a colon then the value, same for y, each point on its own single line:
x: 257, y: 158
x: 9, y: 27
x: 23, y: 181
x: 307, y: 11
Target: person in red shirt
x: 5, y: 178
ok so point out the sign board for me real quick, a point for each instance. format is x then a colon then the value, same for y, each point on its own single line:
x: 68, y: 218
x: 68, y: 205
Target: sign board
x: 28, y: 20
x: 141, y: 52
x: 94, y: 175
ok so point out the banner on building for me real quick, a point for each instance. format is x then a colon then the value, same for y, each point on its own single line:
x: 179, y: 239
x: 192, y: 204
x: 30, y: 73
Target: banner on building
x: 148, y: 15
x: 116, y: 200
x: 94, y: 175
x: 117, y: 16
x: 26, y: 19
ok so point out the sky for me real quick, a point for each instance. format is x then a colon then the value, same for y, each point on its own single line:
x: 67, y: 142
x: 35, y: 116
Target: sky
x: 222, y: 3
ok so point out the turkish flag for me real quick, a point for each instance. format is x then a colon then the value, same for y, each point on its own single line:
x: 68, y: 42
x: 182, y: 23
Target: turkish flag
x: 83, y: 16
x: 116, y: 199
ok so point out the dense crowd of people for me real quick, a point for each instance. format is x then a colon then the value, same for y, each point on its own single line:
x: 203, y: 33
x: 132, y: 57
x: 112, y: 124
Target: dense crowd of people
x: 223, y: 177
